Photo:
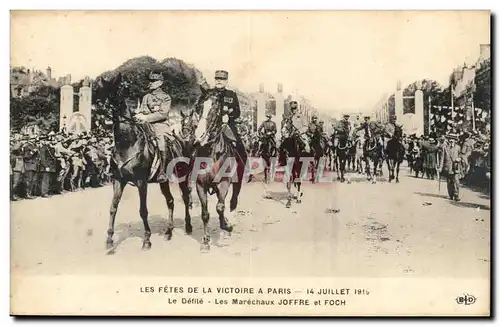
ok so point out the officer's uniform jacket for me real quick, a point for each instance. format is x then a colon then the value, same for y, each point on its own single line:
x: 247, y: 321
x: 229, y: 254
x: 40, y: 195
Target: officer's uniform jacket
x: 30, y: 157
x: 268, y: 126
x: 156, y: 106
x: 312, y: 129
x: 224, y: 98
x: 344, y: 128
x: 296, y: 122
x: 17, y: 162
x: 390, y: 128
x: 48, y: 160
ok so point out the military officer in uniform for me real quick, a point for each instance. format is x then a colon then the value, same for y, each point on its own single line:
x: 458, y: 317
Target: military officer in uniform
x: 291, y: 126
x: 47, y: 168
x: 313, y: 127
x: 392, y: 128
x: 268, y: 131
x: 154, y: 109
x: 30, y: 157
x: 345, y: 125
x: 365, y: 126
x: 230, y: 108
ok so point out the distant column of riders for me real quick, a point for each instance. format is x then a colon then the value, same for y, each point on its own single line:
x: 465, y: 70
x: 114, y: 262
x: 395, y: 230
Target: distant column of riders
x: 54, y: 163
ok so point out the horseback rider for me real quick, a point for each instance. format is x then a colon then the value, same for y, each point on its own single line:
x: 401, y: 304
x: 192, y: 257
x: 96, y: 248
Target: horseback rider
x: 392, y: 129
x: 230, y: 107
x: 154, y: 109
x: 345, y: 125
x: 291, y: 126
x: 365, y: 126
x: 314, y: 128
x: 267, y: 131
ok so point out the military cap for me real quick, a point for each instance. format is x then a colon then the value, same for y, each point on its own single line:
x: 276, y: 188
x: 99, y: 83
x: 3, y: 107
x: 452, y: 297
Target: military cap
x: 452, y: 136
x: 367, y: 117
x: 155, y: 76
x: 221, y: 74
x: 268, y: 115
x: 346, y: 116
x: 314, y: 117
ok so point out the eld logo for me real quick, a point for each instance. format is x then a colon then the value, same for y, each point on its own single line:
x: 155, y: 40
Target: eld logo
x: 466, y: 299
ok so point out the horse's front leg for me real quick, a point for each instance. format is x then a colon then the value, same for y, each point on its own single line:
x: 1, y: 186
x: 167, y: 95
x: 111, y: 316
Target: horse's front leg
x: 338, y: 165
x: 165, y: 190
x: 397, y: 171
x: 205, y: 216
x: 299, y: 192
x: 117, y: 195
x: 188, y: 202
x: 389, y: 168
x: 222, y: 190
x: 142, y: 187
x: 289, y: 193
x: 368, y: 169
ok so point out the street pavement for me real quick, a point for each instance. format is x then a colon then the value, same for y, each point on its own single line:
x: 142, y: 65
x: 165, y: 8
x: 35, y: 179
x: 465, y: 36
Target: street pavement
x: 360, y: 229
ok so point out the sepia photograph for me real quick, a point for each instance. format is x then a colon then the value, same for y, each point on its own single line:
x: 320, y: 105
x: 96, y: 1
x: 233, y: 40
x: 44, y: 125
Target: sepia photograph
x: 250, y: 163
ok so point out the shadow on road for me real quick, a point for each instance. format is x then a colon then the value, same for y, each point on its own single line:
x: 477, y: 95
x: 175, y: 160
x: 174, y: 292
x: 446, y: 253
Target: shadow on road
x: 470, y: 205
x: 158, y: 225
x: 276, y: 195
x: 426, y: 194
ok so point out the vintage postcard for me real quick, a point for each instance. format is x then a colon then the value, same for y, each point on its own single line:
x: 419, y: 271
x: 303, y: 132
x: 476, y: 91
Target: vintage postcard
x: 250, y: 163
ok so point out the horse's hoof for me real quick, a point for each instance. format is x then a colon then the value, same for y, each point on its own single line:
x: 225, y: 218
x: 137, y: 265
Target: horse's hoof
x: 205, y: 248
x: 146, y: 245
x: 299, y: 201
x: 288, y: 205
x: 349, y: 182
x: 189, y: 229
x: 228, y: 228
x: 233, y: 204
x: 338, y: 178
x: 397, y: 180
x: 109, y: 244
x: 374, y: 182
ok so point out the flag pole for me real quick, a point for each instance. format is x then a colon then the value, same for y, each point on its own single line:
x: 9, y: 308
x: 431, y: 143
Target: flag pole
x: 430, y: 110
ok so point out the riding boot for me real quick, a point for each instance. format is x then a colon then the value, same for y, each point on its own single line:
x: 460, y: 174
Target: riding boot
x: 162, y: 176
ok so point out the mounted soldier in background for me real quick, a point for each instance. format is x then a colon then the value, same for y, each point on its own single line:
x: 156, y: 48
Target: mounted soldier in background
x: 292, y: 128
x: 267, y: 132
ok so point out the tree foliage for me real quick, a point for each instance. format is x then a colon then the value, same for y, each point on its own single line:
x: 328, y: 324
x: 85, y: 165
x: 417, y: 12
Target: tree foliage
x: 40, y: 107
x: 179, y: 78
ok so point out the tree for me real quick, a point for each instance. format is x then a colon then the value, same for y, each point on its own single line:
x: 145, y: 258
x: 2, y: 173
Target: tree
x: 179, y: 78
x: 40, y: 107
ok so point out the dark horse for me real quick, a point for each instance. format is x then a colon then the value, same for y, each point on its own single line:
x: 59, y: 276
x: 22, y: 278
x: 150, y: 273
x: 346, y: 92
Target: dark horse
x: 395, y: 152
x: 133, y: 159
x: 342, y: 146
x: 293, y: 148
x: 218, y: 145
x: 318, y: 148
x: 267, y: 151
x: 372, y: 153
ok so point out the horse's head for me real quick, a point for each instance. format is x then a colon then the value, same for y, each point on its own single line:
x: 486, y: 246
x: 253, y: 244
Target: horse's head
x: 188, y: 124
